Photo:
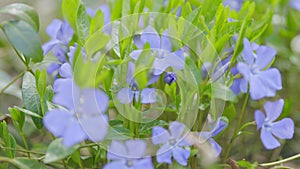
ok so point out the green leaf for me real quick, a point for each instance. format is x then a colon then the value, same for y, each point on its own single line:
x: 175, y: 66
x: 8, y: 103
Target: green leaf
x: 69, y: 10
x: 57, y: 151
x: 23, y: 12
x: 97, y: 22
x: 24, y: 38
x: 8, y: 139
x: 230, y: 112
x: 25, y: 163
x: 31, y: 98
x: 41, y: 82
x: 118, y: 132
x: 82, y: 24
x: 96, y: 42
x: 28, y: 112
x: 18, y: 117
x: 246, y: 164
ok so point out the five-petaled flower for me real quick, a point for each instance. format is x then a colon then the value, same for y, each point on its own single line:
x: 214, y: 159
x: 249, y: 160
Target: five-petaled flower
x: 173, y: 144
x: 208, y: 135
x: 83, y: 116
x: 283, y: 129
x: 127, y: 94
x: 161, y: 48
x: 263, y: 82
x: 128, y: 155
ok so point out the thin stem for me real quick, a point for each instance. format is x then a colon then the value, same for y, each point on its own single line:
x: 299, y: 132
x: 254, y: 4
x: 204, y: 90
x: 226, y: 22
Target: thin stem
x: 280, y: 161
x: 25, y: 143
x: 12, y: 82
x: 22, y: 59
x: 23, y: 151
x: 238, y: 125
x: 65, y: 165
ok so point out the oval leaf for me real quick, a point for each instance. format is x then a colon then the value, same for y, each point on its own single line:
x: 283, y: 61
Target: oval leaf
x: 24, y: 38
x: 23, y: 12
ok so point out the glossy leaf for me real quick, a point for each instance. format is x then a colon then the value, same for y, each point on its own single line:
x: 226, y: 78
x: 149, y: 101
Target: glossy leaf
x: 24, y: 38
x: 69, y: 10
x: 23, y: 12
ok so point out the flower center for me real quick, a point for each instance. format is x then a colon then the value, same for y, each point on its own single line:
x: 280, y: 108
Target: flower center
x: 129, y: 163
x: 172, y: 141
x: 134, y: 87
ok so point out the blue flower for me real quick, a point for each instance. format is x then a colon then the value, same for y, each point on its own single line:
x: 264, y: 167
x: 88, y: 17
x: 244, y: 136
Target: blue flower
x: 127, y: 94
x: 295, y: 4
x: 61, y: 34
x: 82, y: 117
x: 234, y: 4
x: 173, y: 145
x: 162, y: 48
x: 128, y: 155
x: 208, y: 135
x: 283, y: 129
x: 170, y: 77
x: 263, y: 82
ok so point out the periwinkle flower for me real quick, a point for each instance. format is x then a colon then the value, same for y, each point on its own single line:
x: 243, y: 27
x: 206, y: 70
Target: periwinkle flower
x: 283, y: 129
x: 127, y: 94
x: 295, y: 4
x: 128, y: 155
x: 263, y: 82
x: 162, y: 48
x: 208, y: 135
x: 233, y: 4
x: 170, y: 77
x: 83, y: 117
x: 173, y: 143
x: 61, y: 34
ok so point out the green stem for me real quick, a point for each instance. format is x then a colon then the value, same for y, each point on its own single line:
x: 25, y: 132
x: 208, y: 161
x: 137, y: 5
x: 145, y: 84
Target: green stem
x: 65, y: 165
x: 23, y: 60
x: 238, y: 125
x: 280, y: 161
x: 25, y: 143
x: 23, y: 151
x: 12, y: 82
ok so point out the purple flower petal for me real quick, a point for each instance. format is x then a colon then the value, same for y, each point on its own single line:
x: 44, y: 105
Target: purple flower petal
x: 49, y: 45
x: 145, y: 163
x: 135, y: 54
x: 92, y: 101
x: 65, y: 33
x: 95, y: 127
x: 150, y: 35
x: 106, y: 11
x: 265, y: 55
x: 115, y: 164
x: 153, y: 79
x: 148, y: 95
x: 259, y: 119
x: 248, y: 52
x: 65, y: 70
x: 73, y: 133
x: 215, y: 146
x: 117, y: 151
x: 160, y: 135
x: 165, y: 41
x: 181, y: 155
x: 164, y: 154
x: 283, y: 129
x: 244, y: 69
x: 268, y: 139
x: 65, y: 90
x: 295, y: 4
x: 125, y: 96
x: 177, y: 129
x: 136, y: 148
x: 53, y: 28
x: 273, y: 109
x: 56, y: 121
x: 220, y: 126
x: 130, y: 72
x: 52, y: 68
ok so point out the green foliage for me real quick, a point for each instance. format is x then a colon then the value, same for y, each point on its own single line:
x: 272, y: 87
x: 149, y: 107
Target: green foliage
x: 24, y: 38
x: 31, y: 98
x: 22, y: 12
x: 18, y: 117
x: 69, y: 10
x: 8, y: 139
x: 57, y: 151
